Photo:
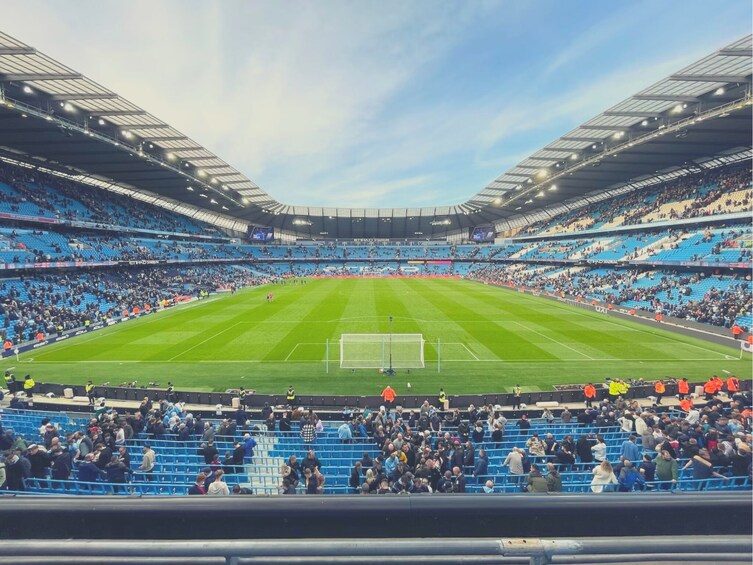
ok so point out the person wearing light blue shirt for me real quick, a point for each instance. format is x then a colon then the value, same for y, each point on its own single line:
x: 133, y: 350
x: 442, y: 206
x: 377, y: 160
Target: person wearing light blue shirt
x: 344, y: 433
x: 630, y: 450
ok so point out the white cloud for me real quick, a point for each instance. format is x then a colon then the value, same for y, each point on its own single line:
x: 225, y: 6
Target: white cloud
x: 312, y: 101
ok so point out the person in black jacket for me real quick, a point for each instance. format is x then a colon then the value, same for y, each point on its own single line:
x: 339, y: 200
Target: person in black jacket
x: 285, y: 422
x: 61, y: 465
x: 116, y: 473
x: 310, y: 481
x: 40, y: 461
x: 583, y: 449
x: 15, y: 472
x: 459, y: 480
x: 311, y: 461
x: 209, y: 451
x: 239, y: 454
x: 355, y: 477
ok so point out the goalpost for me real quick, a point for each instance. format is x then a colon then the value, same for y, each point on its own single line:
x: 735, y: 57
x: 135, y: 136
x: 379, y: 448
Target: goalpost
x: 380, y: 351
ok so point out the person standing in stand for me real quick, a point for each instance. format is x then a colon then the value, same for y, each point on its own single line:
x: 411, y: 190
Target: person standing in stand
x: 388, y: 395
x: 683, y: 388
x: 659, y: 389
x: 589, y: 392
x: 90, y: 392
x: 516, y: 393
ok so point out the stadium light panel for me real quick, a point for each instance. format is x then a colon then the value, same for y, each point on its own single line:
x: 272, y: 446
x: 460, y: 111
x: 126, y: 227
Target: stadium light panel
x: 719, y: 91
x: 498, y: 201
x: 529, y: 201
x: 127, y: 134
x: 644, y: 123
x: 573, y: 157
x: 202, y: 195
x: 540, y: 194
x: 68, y: 107
x: 201, y: 173
x: 101, y: 122
x: 213, y: 201
x: 677, y: 109
x: 553, y: 187
x: 189, y: 188
x: 27, y: 89
x: 170, y: 156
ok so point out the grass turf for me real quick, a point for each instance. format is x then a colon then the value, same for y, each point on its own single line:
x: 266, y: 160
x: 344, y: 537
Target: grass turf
x: 491, y: 339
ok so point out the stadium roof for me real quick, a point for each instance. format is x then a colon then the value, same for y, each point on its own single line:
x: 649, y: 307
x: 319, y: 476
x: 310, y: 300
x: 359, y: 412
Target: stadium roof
x: 66, y: 121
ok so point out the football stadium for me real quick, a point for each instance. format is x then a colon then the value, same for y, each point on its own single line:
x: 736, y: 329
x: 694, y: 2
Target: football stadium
x: 551, y: 366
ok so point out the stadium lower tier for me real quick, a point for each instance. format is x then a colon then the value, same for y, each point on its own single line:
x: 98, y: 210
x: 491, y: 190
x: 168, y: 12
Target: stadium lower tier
x: 44, y: 453
x: 63, y: 300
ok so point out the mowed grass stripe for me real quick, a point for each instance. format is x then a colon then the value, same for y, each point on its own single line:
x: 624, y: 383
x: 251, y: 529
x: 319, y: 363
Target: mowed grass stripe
x: 326, y: 306
x: 560, y: 333
x: 684, y: 346
x: 504, y: 343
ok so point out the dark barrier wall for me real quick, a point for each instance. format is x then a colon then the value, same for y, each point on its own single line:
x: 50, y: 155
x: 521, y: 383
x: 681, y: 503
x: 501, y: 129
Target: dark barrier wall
x: 317, y: 401
x: 386, y: 516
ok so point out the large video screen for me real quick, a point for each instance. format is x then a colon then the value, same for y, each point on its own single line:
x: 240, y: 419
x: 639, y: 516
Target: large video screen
x: 261, y: 234
x: 483, y: 234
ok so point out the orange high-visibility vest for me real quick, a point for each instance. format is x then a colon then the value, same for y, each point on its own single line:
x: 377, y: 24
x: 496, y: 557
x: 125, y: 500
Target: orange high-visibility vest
x: 7, y: 345
x: 736, y: 330
x: 733, y: 384
x: 659, y: 387
x: 40, y: 336
x: 686, y: 404
x: 709, y: 387
x: 718, y: 383
x: 589, y: 391
x: 683, y: 387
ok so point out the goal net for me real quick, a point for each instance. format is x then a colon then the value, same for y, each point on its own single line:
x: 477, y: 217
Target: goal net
x: 372, y: 351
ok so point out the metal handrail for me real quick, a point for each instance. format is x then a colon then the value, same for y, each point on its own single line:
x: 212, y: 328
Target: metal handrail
x: 534, y: 551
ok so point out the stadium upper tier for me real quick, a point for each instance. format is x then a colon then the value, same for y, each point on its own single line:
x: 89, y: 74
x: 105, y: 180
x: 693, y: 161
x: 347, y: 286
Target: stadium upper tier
x: 25, y: 192
x: 704, y: 194
x: 45, y: 219
x: 668, y: 128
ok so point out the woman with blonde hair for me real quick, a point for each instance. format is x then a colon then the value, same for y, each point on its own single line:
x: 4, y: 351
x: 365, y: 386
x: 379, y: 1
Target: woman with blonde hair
x: 603, y: 478
x: 218, y: 487
x: 371, y: 480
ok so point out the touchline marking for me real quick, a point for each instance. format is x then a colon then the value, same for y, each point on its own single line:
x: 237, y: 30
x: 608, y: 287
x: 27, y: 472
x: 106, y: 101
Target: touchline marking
x: 163, y: 313
x: 510, y: 361
x: 206, y: 340
x: 626, y: 326
x: 554, y: 340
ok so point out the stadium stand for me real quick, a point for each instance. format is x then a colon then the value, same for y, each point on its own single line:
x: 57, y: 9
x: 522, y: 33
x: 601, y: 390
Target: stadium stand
x: 293, y: 452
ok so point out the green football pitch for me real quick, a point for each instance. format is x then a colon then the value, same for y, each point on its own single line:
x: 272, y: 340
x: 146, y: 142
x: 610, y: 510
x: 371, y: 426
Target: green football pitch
x: 490, y: 339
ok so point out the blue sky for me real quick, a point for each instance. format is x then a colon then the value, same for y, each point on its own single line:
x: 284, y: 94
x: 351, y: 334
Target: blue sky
x: 376, y: 104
